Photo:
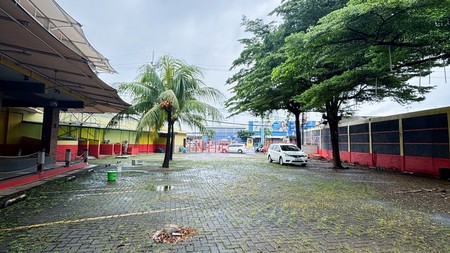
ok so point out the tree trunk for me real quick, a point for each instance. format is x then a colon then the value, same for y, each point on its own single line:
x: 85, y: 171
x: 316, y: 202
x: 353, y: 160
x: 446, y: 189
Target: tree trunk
x: 295, y: 109
x: 172, y: 141
x: 167, y: 153
x: 298, y: 133
x: 333, y: 122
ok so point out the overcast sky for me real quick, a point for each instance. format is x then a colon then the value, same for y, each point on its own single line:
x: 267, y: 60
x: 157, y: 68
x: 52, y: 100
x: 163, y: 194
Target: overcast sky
x: 204, y: 33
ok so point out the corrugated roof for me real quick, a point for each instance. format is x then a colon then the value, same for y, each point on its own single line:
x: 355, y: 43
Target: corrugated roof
x: 66, y: 29
x: 66, y: 65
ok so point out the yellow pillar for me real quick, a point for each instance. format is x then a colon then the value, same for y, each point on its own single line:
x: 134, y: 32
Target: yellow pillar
x: 370, y: 137
x: 400, y: 134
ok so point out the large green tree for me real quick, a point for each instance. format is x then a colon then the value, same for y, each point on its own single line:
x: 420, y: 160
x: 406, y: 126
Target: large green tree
x: 366, y: 51
x: 255, y: 88
x: 253, y: 80
x: 244, y: 134
x: 170, y: 91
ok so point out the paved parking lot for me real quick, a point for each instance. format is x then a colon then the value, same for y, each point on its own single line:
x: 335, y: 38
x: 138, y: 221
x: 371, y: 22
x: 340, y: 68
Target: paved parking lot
x: 237, y: 203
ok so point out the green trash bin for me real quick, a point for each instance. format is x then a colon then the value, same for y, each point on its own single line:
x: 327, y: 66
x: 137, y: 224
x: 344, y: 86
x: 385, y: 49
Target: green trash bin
x: 112, y: 175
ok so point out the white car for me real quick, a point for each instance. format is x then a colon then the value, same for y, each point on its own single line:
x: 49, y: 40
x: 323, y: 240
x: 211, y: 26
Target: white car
x: 286, y: 153
x: 237, y: 148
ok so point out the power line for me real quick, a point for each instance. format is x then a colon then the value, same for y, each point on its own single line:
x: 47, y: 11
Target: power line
x: 225, y: 122
x: 233, y: 123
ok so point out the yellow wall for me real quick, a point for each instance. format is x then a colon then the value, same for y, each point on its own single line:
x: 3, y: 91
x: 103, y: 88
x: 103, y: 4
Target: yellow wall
x: 14, y: 128
x: 65, y: 132
x: 17, y: 125
x: 118, y: 136
x: 31, y: 130
x: 109, y: 135
x: 179, y: 139
x: 67, y: 142
x: 160, y: 141
x: 33, y: 116
x: 145, y: 138
x: 3, y: 128
x: 96, y: 120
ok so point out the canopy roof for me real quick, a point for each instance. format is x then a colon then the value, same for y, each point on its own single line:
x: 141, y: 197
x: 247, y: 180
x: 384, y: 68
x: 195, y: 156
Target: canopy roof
x: 47, y: 60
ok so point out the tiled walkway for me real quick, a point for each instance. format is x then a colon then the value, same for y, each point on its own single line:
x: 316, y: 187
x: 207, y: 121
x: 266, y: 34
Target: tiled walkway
x: 237, y: 203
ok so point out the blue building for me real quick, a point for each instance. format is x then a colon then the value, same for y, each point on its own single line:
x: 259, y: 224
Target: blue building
x: 222, y: 133
x: 278, y: 129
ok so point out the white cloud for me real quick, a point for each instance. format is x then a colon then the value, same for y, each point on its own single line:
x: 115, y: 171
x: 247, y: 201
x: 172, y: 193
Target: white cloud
x: 201, y: 32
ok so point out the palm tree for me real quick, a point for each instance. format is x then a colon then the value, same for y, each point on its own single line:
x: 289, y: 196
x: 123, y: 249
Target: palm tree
x: 171, y: 91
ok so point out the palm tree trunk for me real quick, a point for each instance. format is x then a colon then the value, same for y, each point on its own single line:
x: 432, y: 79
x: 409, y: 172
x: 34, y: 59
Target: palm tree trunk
x: 172, y: 141
x: 167, y: 153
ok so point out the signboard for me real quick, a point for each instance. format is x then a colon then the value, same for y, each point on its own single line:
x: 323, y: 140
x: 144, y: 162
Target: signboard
x: 276, y: 126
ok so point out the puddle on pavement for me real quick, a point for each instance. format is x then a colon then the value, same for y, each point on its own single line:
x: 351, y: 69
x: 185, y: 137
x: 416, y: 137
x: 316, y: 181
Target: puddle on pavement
x: 383, y: 204
x: 131, y: 173
x: 443, y: 219
x: 164, y: 188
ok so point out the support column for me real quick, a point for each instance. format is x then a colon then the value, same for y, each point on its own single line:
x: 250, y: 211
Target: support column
x: 402, y: 148
x: 49, y: 136
x: 349, y: 145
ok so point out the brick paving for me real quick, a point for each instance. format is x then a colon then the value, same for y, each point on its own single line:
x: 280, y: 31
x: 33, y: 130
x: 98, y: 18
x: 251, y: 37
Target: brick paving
x: 237, y: 203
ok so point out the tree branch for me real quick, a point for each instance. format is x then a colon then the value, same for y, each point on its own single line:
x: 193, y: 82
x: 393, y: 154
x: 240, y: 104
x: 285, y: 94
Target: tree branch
x: 409, y: 64
x: 397, y: 44
x: 359, y: 32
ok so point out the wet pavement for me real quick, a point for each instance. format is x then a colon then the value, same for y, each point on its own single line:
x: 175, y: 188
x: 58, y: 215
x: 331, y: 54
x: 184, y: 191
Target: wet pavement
x: 236, y: 203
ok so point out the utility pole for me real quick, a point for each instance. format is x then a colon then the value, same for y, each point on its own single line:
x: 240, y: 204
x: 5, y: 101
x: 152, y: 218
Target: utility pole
x: 303, y: 128
x: 262, y: 130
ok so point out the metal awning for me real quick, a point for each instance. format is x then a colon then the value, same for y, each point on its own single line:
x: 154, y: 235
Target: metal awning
x: 45, y: 59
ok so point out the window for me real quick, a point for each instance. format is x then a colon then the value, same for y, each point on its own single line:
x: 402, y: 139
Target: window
x: 289, y: 148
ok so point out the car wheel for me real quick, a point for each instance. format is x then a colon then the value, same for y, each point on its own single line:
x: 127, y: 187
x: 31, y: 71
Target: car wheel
x: 281, y: 160
x: 240, y: 151
x: 303, y: 165
x: 269, y: 158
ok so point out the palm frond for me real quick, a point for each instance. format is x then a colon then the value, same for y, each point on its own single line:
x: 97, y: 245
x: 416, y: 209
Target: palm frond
x: 209, y: 94
x: 153, y: 119
x: 194, y: 121
x: 202, y: 108
x: 171, y: 80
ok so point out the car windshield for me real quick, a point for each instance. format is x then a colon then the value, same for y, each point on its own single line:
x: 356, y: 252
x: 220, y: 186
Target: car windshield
x: 289, y: 148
